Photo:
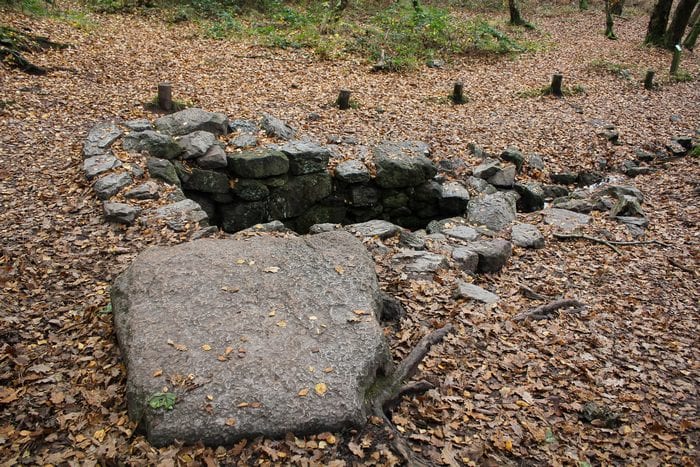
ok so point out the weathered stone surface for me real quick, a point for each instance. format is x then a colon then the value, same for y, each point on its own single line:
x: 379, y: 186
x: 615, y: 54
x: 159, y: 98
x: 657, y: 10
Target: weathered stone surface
x: 504, y: 178
x: 454, y: 199
x: 120, y: 213
x: 401, y: 165
x: 481, y: 186
x: 362, y: 195
x: 111, y: 184
x: 163, y: 170
x: 192, y: 119
x: 564, y: 178
x: 486, y: 169
x: 554, y: 191
x: 180, y: 213
x: 244, y: 140
x: 196, y: 144
x: 535, y: 161
x: 438, y: 226
x: 207, y: 181
x: 201, y: 293
x: 587, y: 178
x: 474, y: 292
x: 146, y: 190
x: 100, y: 138
x: 495, y: 211
x: 352, y: 171
x: 306, y: 157
x: 139, y: 124
x: 493, y: 254
x: 154, y: 143
x: 273, y: 126
x: 618, y: 191
x: 325, y: 227
x: 636, y: 225
x: 204, y: 201
x: 531, y: 197
x: 461, y: 232
x: 243, y: 126
x: 374, y: 228
x: 574, y: 204
x: 526, y: 236
x: 215, y: 158
x: 565, y: 220
x: 627, y: 206
x: 238, y: 216
x: 514, y: 156
x: 258, y: 163
x: 299, y: 194
x: 250, y: 189
x: 466, y: 259
x: 94, y: 166
x: 420, y: 261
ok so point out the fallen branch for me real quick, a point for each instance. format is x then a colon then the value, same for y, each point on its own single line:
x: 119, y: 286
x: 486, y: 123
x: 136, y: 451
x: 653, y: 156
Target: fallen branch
x: 609, y: 243
x: 531, y: 294
x: 675, y: 263
x: 391, y: 388
x: 544, y: 311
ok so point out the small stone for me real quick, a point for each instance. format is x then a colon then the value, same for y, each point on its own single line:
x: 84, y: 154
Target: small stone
x: 244, y: 141
x: 403, y: 164
x: 100, y: 138
x: 94, y: 166
x: 675, y: 149
x: 352, y: 171
x: 474, y: 292
x: 486, y: 169
x: 575, y: 204
x: 531, y: 197
x: 495, y: 211
x: 587, y: 178
x: 435, y: 63
x: 564, y: 178
x: 685, y: 141
x: 207, y: 181
x: 504, y: 178
x: 421, y: 261
x: 205, y: 232
x: 196, y: 144
x: 526, y: 236
x: 192, y: 119
x: 140, y: 124
x: 120, y: 213
x: 152, y: 142
x: 258, y: 163
x: 146, y: 190
x: 163, y: 170
x: 215, y: 158
x: 273, y: 126
x: 466, y: 259
x: 305, y: 157
x: 374, y: 228
x: 250, y: 189
x: 565, y: 220
x: 644, y: 156
x: 514, y: 156
x: 177, y: 215
x: 461, y: 232
x: 535, y: 161
x: 325, y: 227
x: 618, y: 191
x: 454, y: 198
x: 243, y: 126
x: 481, y: 185
x: 493, y: 254
x: 554, y: 191
x: 627, y: 206
x: 110, y: 185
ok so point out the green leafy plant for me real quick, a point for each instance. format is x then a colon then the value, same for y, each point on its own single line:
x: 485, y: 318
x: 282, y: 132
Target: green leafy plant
x: 606, y: 66
x: 162, y: 400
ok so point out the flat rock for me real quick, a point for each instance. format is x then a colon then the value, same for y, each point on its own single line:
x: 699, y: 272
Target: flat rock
x: 466, y: 259
x: 273, y: 126
x: 504, y: 178
x: 196, y: 144
x: 374, y: 228
x: 180, y: 213
x: 100, y: 138
x: 352, y: 171
x: 243, y: 126
x: 402, y: 164
x: 152, y: 142
x: 244, y: 141
x: 487, y: 169
x: 258, y: 163
x: 111, y: 184
x: 121, y: 213
x: 420, y: 261
x: 146, y: 190
x: 281, y: 304
x: 207, y: 181
x: 192, y: 119
x: 565, y: 220
x: 306, y: 157
x: 531, y: 197
x: 461, y: 232
x: 94, y: 166
x: 454, y: 199
x: 474, y: 292
x: 526, y: 236
x: 139, y: 124
x: 496, y: 211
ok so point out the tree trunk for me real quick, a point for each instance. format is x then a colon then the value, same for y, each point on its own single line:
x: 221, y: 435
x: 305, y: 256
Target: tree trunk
x: 681, y: 16
x: 649, y: 80
x: 555, y: 87
x: 515, y: 17
x: 616, y: 7
x: 657, y: 22
x: 692, y: 37
x: 343, y: 99
x: 165, y: 96
x: 583, y: 5
x: 695, y: 16
x: 609, y: 33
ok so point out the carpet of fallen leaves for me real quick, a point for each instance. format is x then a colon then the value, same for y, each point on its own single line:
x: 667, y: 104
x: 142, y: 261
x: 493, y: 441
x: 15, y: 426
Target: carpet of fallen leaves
x: 505, y: 392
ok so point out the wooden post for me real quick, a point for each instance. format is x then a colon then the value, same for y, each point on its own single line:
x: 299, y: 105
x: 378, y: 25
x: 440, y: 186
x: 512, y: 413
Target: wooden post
x: 676, y: 59
x: 555, y: 87
x: 165, y: 96
x: 344, y: 99
x: 457, y: 96
x: 649, y: 80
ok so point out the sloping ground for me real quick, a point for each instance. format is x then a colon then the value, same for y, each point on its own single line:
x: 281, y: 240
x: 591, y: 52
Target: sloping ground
x: 507, y: 392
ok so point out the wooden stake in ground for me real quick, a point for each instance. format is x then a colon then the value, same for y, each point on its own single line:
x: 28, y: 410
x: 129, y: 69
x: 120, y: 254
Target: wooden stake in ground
x: 457, y: 96
x: 676, y: 61
x: 165, y: 97
x: 555, y: 87
x: 649, y: 80
x: 343, y: 99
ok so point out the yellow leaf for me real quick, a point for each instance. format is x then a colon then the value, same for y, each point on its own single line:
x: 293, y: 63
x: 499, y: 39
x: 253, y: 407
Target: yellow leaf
x: 508, y: 445
x: 331, y: 439
x: 206, y: 347
x: 360, y: 312
x: 210, y: 397
x: 303, y: 392
x: 230, y: 421
x: 242, y: 404
x: 240, y: 261
x: 339, y: 270
x: 228, y: 350
x: 100, y: 435
x: 272, y: 313
x: 57, y: 397
x: 328, y: 370
x: 321, y: 389
x: 157, y: 373
x: 272, y: 269
x: 521, y: 403
x: 282, y: 324
x: 626, y: 429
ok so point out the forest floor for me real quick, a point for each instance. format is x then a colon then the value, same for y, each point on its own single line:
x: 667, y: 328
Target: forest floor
x: 506, y: 392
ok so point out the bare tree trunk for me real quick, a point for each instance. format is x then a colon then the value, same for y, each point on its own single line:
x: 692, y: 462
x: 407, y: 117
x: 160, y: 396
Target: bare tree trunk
x: 692, y: 37
x: 616, y: 7
x: 657, y: 22
x: 583, y: 5
x: 681, y: 16
x: 515, y: 17
x: 609, y: 33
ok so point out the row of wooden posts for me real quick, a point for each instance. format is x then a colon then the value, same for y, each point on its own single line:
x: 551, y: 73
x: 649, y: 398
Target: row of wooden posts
x: 165, y: 90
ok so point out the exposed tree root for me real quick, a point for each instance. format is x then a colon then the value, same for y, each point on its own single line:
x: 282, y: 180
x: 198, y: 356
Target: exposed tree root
x: 609, y: 243
x: 392, y: 388
x: 14, y: 43
x: 544, y: 311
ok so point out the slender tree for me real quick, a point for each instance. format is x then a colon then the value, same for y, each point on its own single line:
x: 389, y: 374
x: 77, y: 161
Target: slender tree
x: 657, y: 22
x: 616, y: 7
x: 583, y: 5
x: 681, y: 16
x: 692, y: 37
x: 515, y: 16
x: 609, y: 33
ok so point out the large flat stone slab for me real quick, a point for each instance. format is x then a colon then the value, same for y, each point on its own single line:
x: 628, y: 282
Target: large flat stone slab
x: 258, y: 336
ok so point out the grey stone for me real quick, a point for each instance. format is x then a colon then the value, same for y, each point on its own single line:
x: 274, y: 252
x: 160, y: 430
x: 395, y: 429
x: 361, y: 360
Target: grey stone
x: 574, y: 204
x: 273, y: 126
x: 352, y: 171
x: 636, y: 225
x: 411, y: 240
x: 610, y: 134
x: 495, y: 211
x: 272, y: 226
x: 306, y: 157
x: 587, y: 178
x: 250, y: 189
x: 554, y: 191
x: 163, y: 170
x: 244, y: 140
x: 531, y: 197
x: 299, y: 194
x: 565, y: 220
x: 176, y: 195
x: 258, y: 163
x: 477, y: 150
x: 204, y: 201
x: 461, y: 232
x: 146, y: 190
x: 420, y: 261
x: 140, y: 124
x: 239, y: 216
x: 196, y: 144
x: 94, y: 166
x: 120, y: 213
x: 154, y: 143
x: 192, y: 119
x: 363, y: 196
x: 454, y: 198
x: 325, y: 227
x: 535, y: 161
x: 486, y: 169
x: 374, y: 228
x: 526, y: 236
x: 394, y: 199
x: 204, y: 232
x: 288, y: 325
x: 437, y: 226
x: 111, y: 184
x: 243, y: 126
x: 136, y: 171
x: 564, y: 178
x: 675, y: 149
x: 398, y: 166
x: 480, y: 185
x: 514, y: 156
x: 100, y: 138
x: 435, y: 63
x: 207, y: 181
x: 466, y: 259
x: 474, y: 292
x: 215, y: 158
x: 685, y: 141
x: 504, y: 178
x: 627, y: 206
x: 177, y: 215
x: 319, y: 214
x: 618, y: 191
x: 644, y: 156
x: 493, y: 254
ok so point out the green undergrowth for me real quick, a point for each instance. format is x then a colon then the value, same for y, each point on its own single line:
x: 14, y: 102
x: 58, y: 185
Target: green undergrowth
x: 604, y: 66
x: 547, y: 91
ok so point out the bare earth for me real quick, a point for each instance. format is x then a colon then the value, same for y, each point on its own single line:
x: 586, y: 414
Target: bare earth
x: 506, y: 392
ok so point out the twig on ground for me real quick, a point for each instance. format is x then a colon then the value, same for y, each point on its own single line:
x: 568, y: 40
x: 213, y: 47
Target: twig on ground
x: 609, y: 243
x: 675, y: 263
x: 531, y: 294
x: 544, y: 311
